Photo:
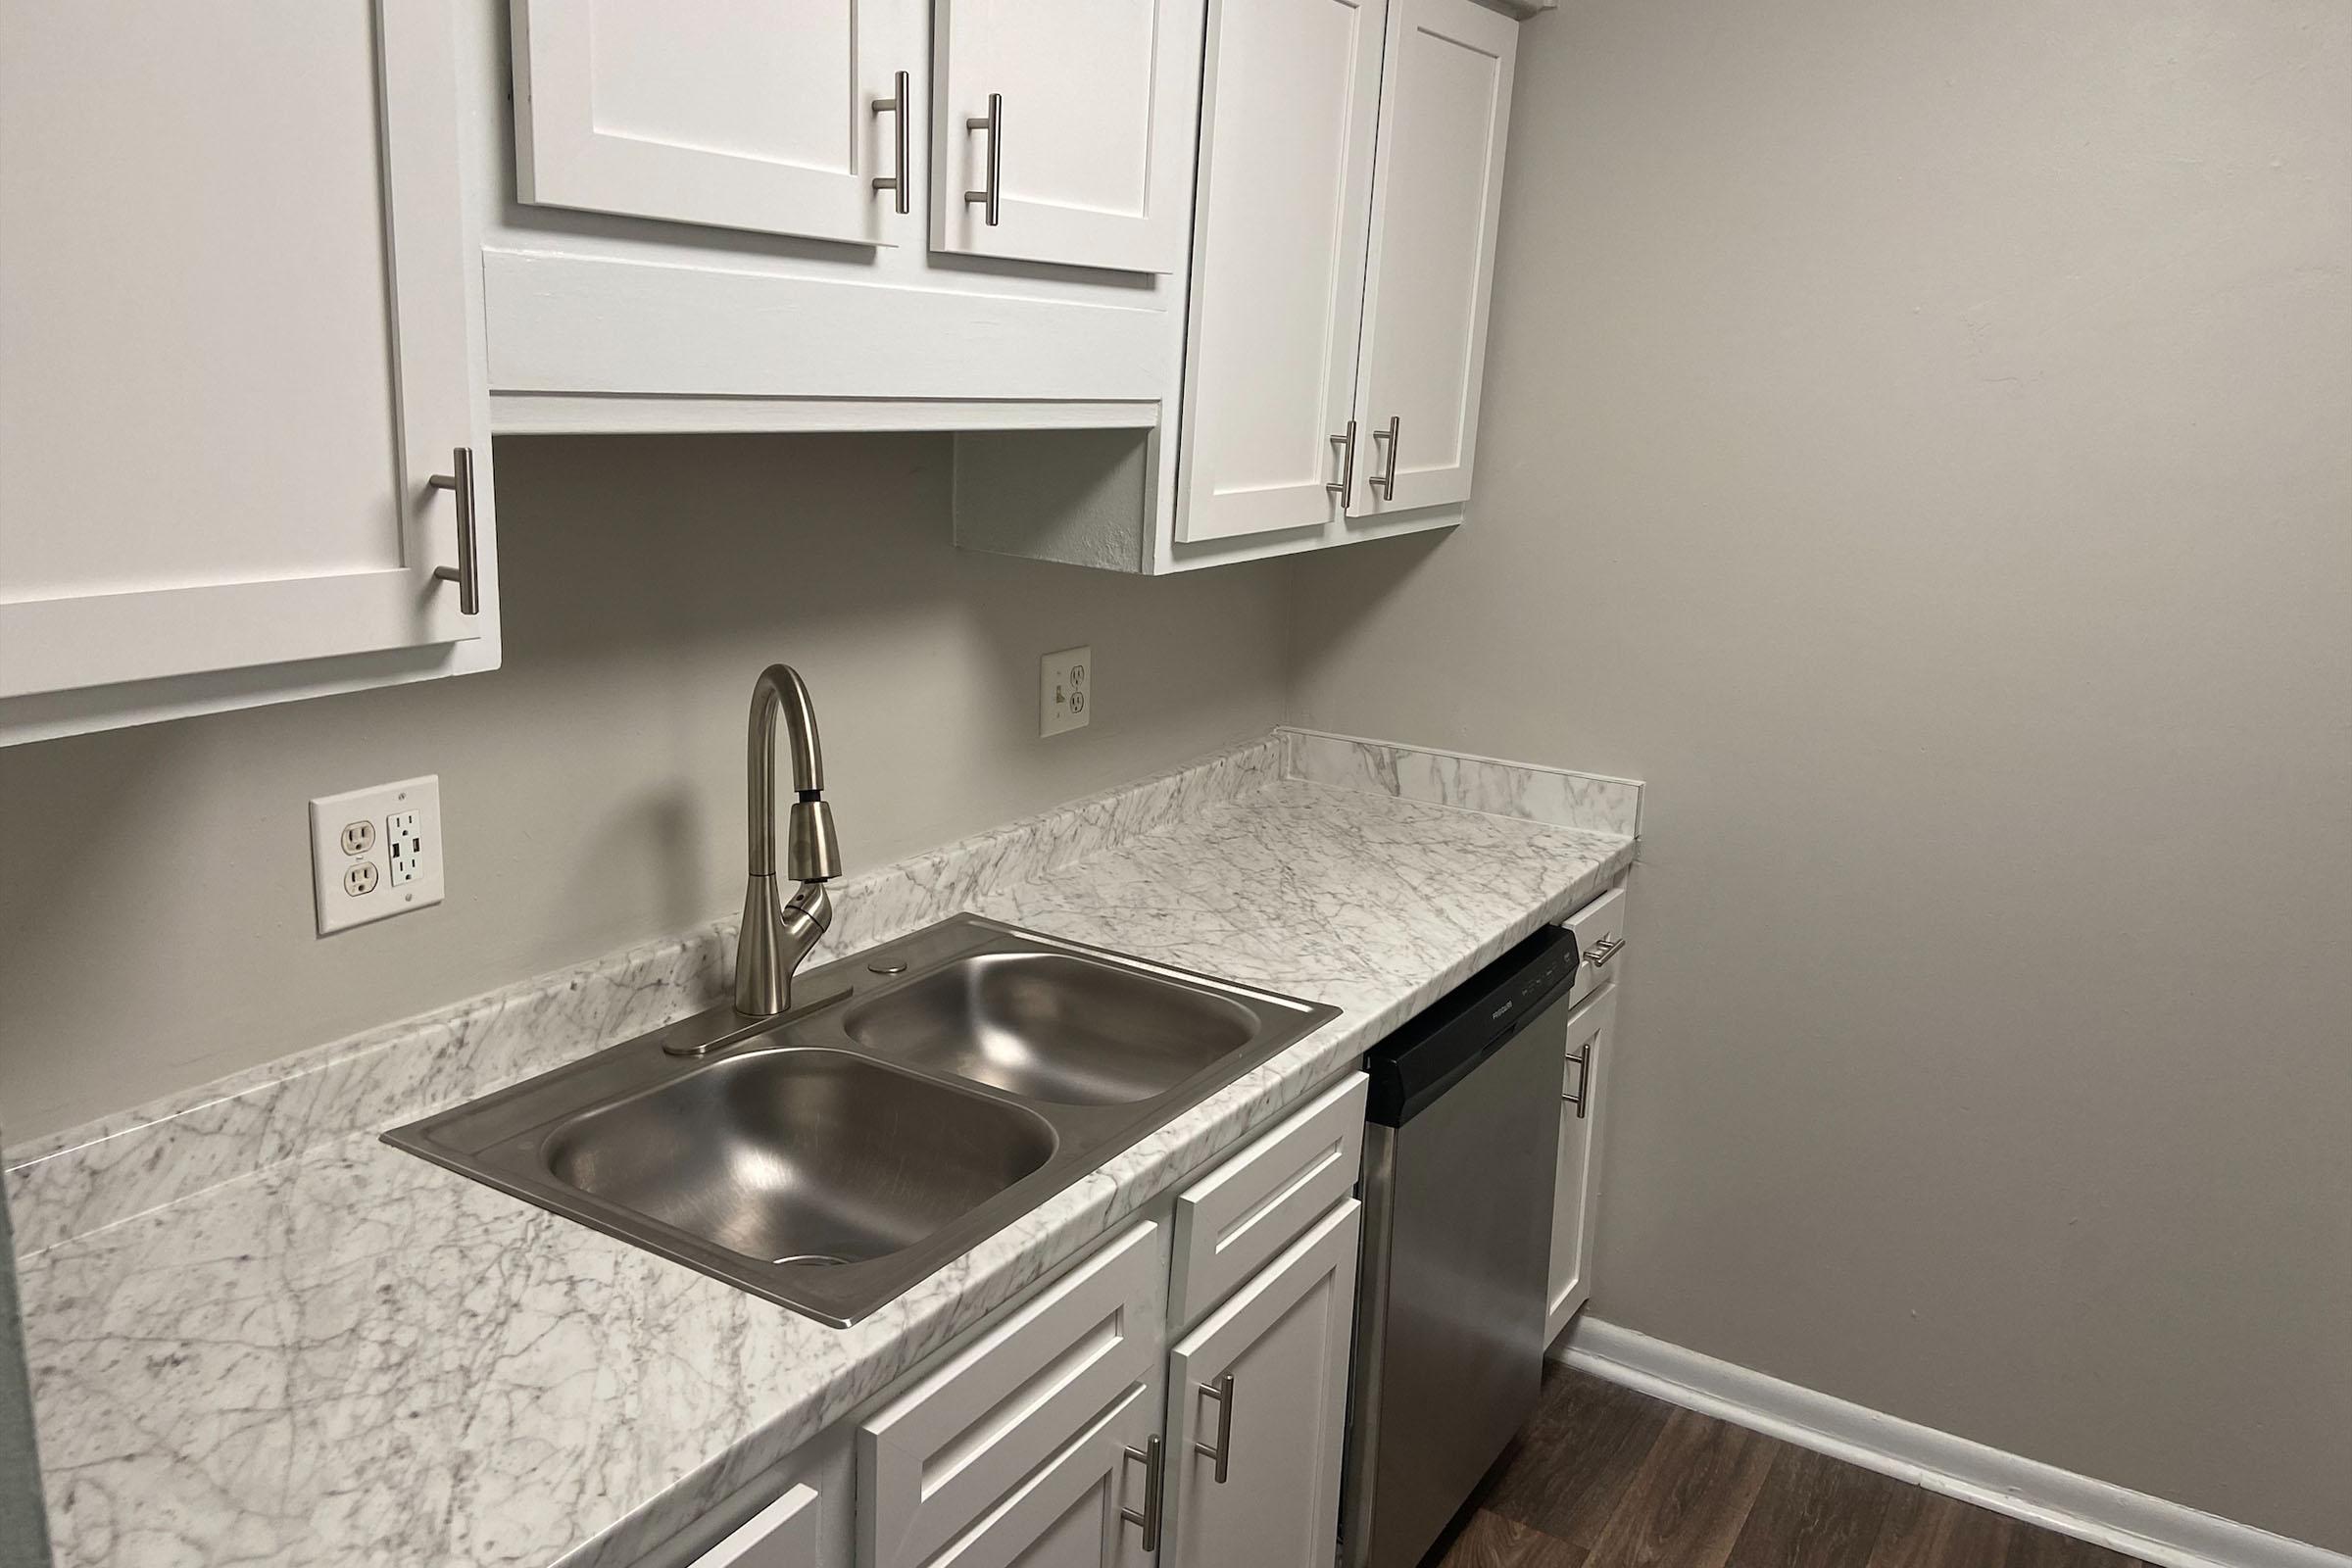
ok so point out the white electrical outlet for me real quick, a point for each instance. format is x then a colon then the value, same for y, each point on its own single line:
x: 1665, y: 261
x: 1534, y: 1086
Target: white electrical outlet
x: 1066, y: 696
x: 375, y: 851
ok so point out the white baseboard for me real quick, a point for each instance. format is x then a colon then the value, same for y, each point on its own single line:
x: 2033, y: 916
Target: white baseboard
x: 2116, y: 1517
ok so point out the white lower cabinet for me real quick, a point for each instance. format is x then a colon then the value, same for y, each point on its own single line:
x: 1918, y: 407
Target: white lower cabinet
x: 1576, y: 1193
x: 1257, y: 1413
x: 1071, y: 1436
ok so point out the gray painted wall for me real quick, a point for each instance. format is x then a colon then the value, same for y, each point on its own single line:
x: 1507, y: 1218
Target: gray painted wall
x: 155, y: 907
x: 1939, y: 417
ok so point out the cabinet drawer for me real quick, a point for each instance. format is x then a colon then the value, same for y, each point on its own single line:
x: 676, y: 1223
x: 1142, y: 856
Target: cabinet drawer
x: 782, y: 1534
x: 1599, y: 928
x: 1069, y: 1511
x: 1235, y: 1221
x: 944, y: 1455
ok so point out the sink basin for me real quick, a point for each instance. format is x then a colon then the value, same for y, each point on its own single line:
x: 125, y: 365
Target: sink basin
x: 805, y: 1155
x: 923, y: 1095
x: 1053, y: 1027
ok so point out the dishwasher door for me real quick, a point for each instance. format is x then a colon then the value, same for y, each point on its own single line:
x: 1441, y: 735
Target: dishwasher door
x: 1450, y: 1349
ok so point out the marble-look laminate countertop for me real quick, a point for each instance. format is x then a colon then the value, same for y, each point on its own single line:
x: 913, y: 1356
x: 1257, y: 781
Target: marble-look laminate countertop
x: 353, y: 1356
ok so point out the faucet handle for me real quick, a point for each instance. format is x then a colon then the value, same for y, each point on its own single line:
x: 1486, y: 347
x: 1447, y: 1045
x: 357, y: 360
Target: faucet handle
x: 811, y: 849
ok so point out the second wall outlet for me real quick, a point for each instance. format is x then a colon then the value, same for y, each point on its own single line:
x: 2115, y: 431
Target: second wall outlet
x: 1065, y: 697
x: 375, y: 851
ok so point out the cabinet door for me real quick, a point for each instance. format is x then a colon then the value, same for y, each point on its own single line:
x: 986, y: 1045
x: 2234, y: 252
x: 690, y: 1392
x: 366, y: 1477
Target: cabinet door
x: 1445, y: 103
x: 1289, y: 106
x: 1280, y: 1423
x: 1087, y: 107
x: 234, y: 349
x: 1576, y: 1195
x: 741, y: 114
x: 1071, y: 1514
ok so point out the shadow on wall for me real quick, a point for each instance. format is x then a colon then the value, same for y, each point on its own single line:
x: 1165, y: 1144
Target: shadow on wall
x: 1351, y: 589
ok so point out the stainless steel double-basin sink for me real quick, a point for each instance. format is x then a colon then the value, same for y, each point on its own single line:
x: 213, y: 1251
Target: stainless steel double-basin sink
x: 928, y: 1092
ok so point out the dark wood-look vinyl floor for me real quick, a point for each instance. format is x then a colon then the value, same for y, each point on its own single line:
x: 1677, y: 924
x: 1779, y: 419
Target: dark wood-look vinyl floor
x: 1607, y: 1477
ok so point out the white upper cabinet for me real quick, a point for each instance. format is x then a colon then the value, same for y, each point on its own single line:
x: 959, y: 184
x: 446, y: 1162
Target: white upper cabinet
x: 1060, y: 129
x: 1445, y: 108
x: 236, y: 348
x: 741, y: 114
x: 787, y: 254
x: 1348, y: 185
x: 1290, y: 108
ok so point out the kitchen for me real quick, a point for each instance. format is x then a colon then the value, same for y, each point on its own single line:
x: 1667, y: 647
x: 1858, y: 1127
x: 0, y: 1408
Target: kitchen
x: 1874, y: 478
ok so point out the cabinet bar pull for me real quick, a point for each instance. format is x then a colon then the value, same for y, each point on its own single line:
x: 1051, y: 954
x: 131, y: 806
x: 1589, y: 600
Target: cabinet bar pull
x: 1221, y: 1450
x: 897, y: 105
x: 1150, y: 1458
x: 467, y: 573
x: 994, y: 124
x: 1345, y: 489
x: 1386, y: 486
x: 1584, y: 1079
x: 1602, y: 952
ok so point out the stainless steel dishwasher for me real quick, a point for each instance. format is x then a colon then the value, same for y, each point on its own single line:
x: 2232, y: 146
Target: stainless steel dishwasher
x: 1462, y: 1131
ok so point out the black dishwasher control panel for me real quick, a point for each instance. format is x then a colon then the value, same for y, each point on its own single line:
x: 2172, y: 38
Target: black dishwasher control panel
x: 1432, y: 1051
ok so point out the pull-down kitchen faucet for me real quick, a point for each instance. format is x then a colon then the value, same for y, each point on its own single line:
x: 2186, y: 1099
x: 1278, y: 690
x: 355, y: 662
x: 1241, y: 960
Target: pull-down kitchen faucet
x: 776, y: 936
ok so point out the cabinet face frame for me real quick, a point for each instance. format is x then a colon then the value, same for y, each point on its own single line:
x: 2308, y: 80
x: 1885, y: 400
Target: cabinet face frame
x: 78, y: 661
x: 1301, y: 501
x: 1150, y: 236
x: 564, y: 156
x: 1397, y: 305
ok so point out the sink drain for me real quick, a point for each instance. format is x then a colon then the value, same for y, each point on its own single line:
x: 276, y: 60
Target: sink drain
x: 812, y: 1260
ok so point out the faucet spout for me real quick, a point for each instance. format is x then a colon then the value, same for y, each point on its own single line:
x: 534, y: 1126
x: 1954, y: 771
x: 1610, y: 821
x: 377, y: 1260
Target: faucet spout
x: 777, y: 934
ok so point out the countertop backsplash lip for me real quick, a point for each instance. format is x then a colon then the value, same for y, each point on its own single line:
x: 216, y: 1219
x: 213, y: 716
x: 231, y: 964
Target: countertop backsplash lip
x: 352, y: 1351
x: 123, y: 1164
x: 1530, y: 792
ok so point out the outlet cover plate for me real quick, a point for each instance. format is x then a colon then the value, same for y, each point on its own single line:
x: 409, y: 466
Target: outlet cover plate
x: 1066, y: 692
x: 403, y: 854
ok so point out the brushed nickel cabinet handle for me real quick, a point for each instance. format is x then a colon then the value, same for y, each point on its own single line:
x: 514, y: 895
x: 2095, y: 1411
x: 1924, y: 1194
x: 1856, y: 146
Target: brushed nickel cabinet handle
x: 898, y: 104
x: 1152, y: 1461
x: 1387, y: 485
x: 467, y: 573
x: 1221, y: 1450
x: 994, y: 124
x: 1584, y: 1079
x: 1344, y: 488
x: 1603, y: 951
